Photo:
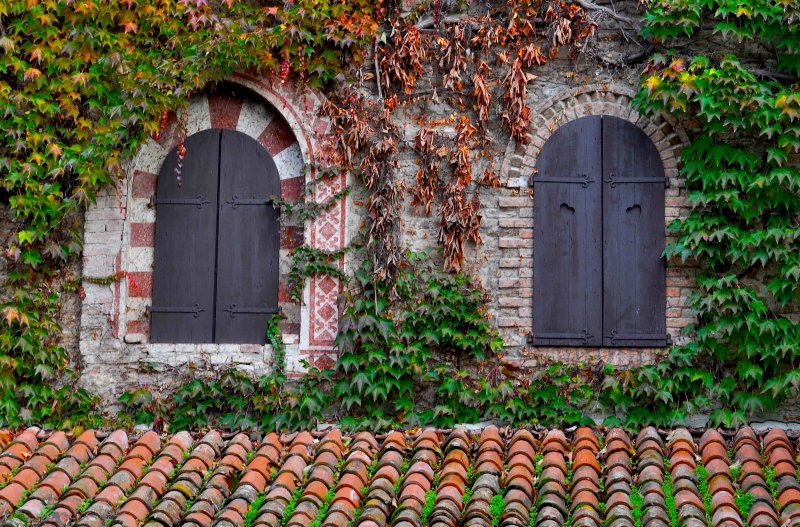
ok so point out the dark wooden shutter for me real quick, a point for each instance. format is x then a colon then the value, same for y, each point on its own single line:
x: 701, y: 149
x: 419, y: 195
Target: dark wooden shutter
x: 633, y: 238
x: 567, y: 256
x: 185, y: 237
x: 249, y: 241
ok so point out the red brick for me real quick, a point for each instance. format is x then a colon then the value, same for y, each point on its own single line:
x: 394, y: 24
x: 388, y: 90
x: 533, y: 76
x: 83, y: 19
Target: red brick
x: 283, y: 290
x: 143, y: 234
x: 143, y: 185
x: 277, y: 137
x: 292, y: 189
x: 321, y: 126
x: 514, y: 222
x: 140, y: 284
x: 512, y: 301
x: 141, y: 327
x: 224, y: 111
x: 291, y: 237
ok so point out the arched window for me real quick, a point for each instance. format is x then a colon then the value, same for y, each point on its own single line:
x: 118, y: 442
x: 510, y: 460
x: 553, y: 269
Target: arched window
x: 599, y: 237
x: 217, y: 242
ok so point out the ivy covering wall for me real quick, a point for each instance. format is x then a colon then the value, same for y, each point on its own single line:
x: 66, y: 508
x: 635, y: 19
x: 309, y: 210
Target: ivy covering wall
x: 83, y: 83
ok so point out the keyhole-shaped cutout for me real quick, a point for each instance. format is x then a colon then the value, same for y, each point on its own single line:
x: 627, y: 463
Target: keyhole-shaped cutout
x: 635, y: 209
x: 566, y: 208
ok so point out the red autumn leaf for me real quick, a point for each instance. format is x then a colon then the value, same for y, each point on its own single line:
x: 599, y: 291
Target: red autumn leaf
x: 31, y: 74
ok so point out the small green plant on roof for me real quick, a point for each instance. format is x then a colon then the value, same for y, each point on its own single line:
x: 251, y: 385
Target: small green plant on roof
x: 771, y: 481
x: 84, y: 505
x: 47, y: 510
x: 24, y: 497
x: 291, y: 504
x: 427, y: 508
x: 19, y: 518
x: 736, y: 471
x: 467, y: 495
x: 356, y: 516
x: 637, y: 506
x: 496, y: 507
x: 702, y: 487
x: 372, y: 468
x: 744, y: 502
x: 323, y: 510
x: 252, y: 511
x: 669, y: 497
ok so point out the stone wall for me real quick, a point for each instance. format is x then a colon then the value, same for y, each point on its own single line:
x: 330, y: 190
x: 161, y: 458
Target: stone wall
x: 119, y: 228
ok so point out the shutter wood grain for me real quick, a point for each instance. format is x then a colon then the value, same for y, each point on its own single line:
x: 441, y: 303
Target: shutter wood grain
x: 633, y: 238
x: 567, y: 256
x: 249, y: 241
x: 185, y: 239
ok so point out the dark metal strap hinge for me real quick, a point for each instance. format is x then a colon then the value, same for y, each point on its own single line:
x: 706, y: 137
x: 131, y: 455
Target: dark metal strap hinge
x: 195, y: 310
x: 583, y: 180
x: 237, y: 202
x: 583, y: 336
x: 615, y: 180
x: 615, y: 337
x: 234, y: 310
x: 198, y: 202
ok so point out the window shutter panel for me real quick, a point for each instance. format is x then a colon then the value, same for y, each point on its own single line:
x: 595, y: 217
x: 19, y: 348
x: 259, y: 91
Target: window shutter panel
x: 633, y: 238
x: 249, y: 241
x: 567, y: 255
x: 185, y: 239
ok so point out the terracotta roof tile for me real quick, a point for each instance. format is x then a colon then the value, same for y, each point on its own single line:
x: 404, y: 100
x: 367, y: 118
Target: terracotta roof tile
x: 583, y: 478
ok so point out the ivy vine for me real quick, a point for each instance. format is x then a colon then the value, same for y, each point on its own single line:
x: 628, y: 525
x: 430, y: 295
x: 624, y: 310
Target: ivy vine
x: 742, y: 174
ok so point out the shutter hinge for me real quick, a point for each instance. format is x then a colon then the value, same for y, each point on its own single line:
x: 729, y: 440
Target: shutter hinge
x: 583, y: 180
x: 614, y: 179
x: 234, y: 310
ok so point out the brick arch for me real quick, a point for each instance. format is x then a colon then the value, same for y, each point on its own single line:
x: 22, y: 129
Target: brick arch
x: 593, y: 99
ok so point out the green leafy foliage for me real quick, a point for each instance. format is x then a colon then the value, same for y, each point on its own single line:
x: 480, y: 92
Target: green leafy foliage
x: 742, y: 231
x: 669, y: 496
x: 75, y: 105
x: 235, y: 400
x: 388, y: 355
x: 496, y: 507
